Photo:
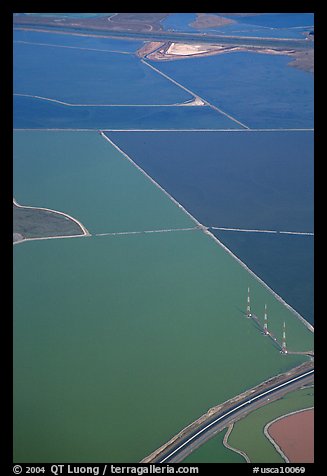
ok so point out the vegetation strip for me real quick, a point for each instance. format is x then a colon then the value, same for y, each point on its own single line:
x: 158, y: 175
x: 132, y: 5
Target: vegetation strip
x: 85, y: 232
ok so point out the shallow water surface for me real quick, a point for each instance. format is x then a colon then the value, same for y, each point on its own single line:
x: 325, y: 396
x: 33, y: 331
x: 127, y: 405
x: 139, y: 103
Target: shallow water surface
x: 36, y: 113
x: 82, y: 174
x: 107, y: 330
x: 82, y: 76
x: 259, y: 90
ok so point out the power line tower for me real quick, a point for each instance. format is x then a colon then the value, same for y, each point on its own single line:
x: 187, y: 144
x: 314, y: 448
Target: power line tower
x: 248, y: 306
x: 284, y: 348
x: 265, y: 325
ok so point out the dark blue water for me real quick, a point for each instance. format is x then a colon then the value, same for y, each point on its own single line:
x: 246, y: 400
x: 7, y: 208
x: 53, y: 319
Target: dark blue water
x: 285, y: 262
x: 251, y: 180
x: 90, y: 77
x: 37, y: 113
x: 260, y: 90
x: 67, y: 39
x: 261, y: 180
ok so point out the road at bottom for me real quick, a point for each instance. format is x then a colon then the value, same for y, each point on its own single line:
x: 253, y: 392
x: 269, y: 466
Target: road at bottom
x: 185, y: 445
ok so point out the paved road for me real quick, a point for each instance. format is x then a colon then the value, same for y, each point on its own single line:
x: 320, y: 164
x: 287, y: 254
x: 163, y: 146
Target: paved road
x: 185, y: 445
x: 288, y: 43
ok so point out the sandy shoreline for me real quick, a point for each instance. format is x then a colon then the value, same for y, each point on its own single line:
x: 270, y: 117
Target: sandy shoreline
x: 178, y: 50
x: 172, y: 51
